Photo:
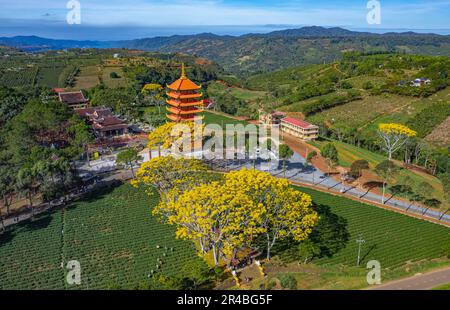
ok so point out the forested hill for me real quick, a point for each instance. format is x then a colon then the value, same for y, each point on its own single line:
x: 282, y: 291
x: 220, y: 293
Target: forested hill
x: 257, y: 53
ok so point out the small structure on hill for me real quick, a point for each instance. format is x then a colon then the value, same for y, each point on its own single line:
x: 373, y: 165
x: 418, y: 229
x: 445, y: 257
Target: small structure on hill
x: 272, y: 118
x: 420, y: 82
x: 299, y: 128
x: 75, y: 100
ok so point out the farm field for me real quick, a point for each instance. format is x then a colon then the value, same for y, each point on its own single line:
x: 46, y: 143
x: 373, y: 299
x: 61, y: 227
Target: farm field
x: 112, y: 234
x: 87, y: 78
x: 360, y: 113
x: 440, y: 136
x: 406, y: 112
x: 238, y: 93
x: 391, y: 238
x: 49, y: 76
x: 113, y: 83
x: 118, y: 242
x: 18, y: 77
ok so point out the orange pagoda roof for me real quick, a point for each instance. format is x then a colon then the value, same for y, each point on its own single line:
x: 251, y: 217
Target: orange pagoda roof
x: 183, y: 83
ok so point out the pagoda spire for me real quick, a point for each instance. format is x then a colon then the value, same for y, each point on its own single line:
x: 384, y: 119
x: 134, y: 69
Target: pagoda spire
x: 183, y: 71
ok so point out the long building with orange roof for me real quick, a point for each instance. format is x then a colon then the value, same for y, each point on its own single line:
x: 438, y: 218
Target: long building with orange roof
x: 184, y: 99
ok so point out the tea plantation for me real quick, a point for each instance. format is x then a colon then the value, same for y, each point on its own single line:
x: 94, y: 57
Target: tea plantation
x: 112, y: 235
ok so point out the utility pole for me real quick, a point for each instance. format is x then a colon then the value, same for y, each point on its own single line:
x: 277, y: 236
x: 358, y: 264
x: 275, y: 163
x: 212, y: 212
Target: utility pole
x: 360, y: 242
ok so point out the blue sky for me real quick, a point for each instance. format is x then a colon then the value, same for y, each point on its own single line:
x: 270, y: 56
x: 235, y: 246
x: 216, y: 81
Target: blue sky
x: 129, y: 19
x: 414, y: 14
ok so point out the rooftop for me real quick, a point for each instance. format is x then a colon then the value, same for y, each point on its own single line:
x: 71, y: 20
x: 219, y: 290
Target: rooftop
x: 183, y: 83
x: 298, y: 122
x: 72, y: 97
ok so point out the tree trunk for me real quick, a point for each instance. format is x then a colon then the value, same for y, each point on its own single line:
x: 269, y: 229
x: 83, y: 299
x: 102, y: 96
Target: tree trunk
x: 384, y: 190
x: 30, y: 198
x: 215, y: 254
x: 268, y: 246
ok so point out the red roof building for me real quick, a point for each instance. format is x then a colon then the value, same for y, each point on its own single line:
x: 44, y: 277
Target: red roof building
x: 75, y: 100
x: 104, y: 123
x: 299, y: 128
x: 184, y: 102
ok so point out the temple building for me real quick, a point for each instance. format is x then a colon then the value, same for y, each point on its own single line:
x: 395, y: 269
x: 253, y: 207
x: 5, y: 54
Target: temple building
x: 74, y: 100
x: 184, y: 100
x: 103, y: 122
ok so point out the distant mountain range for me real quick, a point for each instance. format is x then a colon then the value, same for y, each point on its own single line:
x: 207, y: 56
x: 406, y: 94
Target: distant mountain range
x: 255, y: 53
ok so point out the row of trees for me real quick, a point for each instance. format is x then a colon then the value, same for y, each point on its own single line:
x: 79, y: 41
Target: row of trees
x: 37, y: 149
x: 228, y: 214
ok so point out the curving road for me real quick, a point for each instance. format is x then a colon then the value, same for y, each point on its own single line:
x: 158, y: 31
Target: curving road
x: 424, y: 281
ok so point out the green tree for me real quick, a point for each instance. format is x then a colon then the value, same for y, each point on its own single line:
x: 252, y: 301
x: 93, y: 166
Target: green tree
x: 386, y: 170
x: 114, y: 75
x: 285, y: 153
x: 197, y: 272
x: 7, y: 184
x: 128, y: 158
x: 432, y: 203
x: 25, y: 183
x: 357, y: 167
x: 288, y: 281
x: 307, y: 250
x: 425, y: 189
x: 330, y: 153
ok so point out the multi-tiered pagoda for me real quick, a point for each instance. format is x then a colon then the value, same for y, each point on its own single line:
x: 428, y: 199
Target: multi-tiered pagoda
x: 184, y: 99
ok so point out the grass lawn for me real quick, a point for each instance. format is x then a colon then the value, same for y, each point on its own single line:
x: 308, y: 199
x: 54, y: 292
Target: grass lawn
x: 212, y: 118
x: 445, y: 287
x: 111, y: 233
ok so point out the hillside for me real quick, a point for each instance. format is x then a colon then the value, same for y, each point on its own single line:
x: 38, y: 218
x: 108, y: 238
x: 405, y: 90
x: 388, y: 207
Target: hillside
x: 254, y: 53
x: 362, y: 91
x: 87, y: 68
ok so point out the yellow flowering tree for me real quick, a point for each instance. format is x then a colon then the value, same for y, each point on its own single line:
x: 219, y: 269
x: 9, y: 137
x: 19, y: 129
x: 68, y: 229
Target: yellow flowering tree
x: 171, y: 133
x: 220, y: 221
x: 170, y: 176
x: 394, y: 137
x: 227, y: 216
x: 287, y: 212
